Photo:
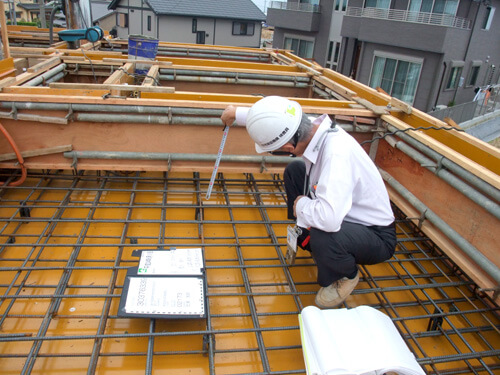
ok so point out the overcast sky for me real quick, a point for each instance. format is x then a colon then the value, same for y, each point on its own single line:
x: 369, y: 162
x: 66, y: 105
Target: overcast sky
x: 261, y: 3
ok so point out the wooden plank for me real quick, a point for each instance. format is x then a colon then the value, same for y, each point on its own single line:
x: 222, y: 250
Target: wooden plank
x: 152, y: 77
x: 7, y: 73
x: 104, y: 86
x: 377, y: 109
x: 121, y: 76
x: 32, y: 50
x: 451, y: 122
x: 38, y: 118
x: 5, y: 38
x: 475, y: 168
x: 337, y: 87
x: 45, y: 65
x: 51, y: 95
x: 400, y: 105
x: 464, y: 262
x: 9, y: 81
x: 37, y: 152
x: 308, y: 69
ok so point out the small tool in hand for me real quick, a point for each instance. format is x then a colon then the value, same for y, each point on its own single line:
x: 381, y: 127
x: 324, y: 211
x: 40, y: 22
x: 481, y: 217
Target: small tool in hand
x: 217, y: 161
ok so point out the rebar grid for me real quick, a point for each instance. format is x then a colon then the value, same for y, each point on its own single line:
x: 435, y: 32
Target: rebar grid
x: 66, y: 243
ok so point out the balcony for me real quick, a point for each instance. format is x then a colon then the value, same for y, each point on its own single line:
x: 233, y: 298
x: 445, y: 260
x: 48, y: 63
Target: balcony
x: 437, y: 33
x: 410, y: 16
x: 294, y: 16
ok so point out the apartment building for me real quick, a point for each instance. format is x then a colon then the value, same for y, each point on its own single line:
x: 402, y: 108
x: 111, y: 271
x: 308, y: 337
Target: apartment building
x: 426, y: 52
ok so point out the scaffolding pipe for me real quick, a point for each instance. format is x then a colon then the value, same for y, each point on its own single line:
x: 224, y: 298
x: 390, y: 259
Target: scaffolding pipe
x: 483, y: 201
x: 264, y: 55
x: 203, y: 73
x: 321, y: 93
x: 55, y: 78
x: 148, y: 119
x: 45, y: 76
x: 114, y: 108
x: 163, y: 77
x: 180, y: 120
x: 447, y: 163
x: 120, y: 155
x: 201, y: 116
x: 225, y: 56
x: 449, y: 232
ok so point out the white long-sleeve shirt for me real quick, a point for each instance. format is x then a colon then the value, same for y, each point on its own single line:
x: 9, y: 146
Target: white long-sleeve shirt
x: 344, y: 183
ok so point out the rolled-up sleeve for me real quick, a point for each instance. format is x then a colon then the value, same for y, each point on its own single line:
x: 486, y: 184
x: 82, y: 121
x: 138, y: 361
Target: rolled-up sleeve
x: 241, y: 115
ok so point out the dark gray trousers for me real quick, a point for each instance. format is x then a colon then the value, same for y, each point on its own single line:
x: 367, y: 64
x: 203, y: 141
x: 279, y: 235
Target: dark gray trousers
x: 337, y: 254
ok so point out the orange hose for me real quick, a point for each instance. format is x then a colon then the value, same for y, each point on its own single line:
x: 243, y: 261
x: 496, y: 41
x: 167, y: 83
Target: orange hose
x: 19, y: 158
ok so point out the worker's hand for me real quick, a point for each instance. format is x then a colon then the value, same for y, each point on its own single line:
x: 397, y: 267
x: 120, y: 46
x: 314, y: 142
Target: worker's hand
x: 229, y: 115
x: 295, y: 204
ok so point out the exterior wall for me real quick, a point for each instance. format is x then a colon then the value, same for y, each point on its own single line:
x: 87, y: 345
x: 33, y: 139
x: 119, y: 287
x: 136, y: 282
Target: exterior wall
x: 323, y: 36
x: 224, y: 35
x: 217, y: 31
x: 107, y: 23
x: 440, y: 47
x: 176, y: 29
x: 320, y: 37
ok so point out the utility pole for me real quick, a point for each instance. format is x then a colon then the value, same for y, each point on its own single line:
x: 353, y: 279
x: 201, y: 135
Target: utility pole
x: 78, y: 14
x: 43, y: 19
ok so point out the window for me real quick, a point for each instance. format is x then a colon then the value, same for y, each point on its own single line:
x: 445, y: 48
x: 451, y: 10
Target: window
x: 473, y: 73
x: 200, y: 37
x: 380, y: 4
x: 340, y: 5
x: 488, y: 18
x: 454, y: 77
x: 122, y: 19
x: 333, y: 55
x: 194, y: 25
x: 243, y: 28
x: 398, y: 76
x: 302, y: 48
x: 448, y: 7
x: 149, y: 23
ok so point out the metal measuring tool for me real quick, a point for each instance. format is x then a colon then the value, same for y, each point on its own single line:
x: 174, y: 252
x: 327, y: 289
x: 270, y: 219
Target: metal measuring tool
x: 217, y: 161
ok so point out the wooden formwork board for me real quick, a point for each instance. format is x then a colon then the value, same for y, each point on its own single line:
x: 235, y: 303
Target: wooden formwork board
x: 472, y: 222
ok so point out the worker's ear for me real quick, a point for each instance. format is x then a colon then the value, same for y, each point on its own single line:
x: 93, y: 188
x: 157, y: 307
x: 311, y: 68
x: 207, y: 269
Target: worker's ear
x: 288, y: 147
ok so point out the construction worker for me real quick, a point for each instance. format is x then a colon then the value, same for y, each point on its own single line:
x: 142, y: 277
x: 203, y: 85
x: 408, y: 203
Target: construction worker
x: 334, y: 192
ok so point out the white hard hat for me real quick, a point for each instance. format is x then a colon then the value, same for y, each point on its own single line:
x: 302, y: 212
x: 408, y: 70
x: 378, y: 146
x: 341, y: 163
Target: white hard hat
x: 272, y: 122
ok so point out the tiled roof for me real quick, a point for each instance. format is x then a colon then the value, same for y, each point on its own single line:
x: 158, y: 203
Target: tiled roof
x: 234, y: 9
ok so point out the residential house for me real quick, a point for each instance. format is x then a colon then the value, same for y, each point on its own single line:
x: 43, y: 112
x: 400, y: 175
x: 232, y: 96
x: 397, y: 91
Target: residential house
x: 424, y: 52
x: 102, y: 16
x: 221, y: 22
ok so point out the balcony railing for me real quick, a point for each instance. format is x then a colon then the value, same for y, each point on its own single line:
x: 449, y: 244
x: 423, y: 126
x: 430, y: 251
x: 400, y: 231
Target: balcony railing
x: 302, y: 7
x: 410, y: 16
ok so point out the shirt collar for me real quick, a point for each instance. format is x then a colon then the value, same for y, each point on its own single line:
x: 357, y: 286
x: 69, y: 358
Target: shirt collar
x: 312, y: 150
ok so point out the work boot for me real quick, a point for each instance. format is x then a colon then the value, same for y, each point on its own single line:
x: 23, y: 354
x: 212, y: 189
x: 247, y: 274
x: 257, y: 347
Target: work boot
x: 336, y: 293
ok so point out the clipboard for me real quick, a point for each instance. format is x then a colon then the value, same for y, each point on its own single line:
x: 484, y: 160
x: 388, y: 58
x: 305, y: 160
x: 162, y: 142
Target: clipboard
x: 166, y: 284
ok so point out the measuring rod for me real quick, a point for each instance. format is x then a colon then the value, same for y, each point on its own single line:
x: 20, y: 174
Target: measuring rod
x: 217, y: 161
